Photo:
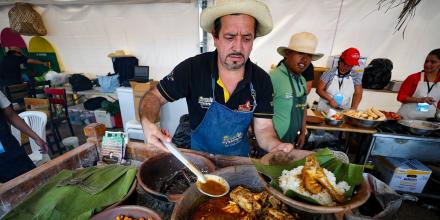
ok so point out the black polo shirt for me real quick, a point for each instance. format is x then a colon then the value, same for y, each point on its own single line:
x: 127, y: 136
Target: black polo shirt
x: 192, y: 79
x: 10, y: 68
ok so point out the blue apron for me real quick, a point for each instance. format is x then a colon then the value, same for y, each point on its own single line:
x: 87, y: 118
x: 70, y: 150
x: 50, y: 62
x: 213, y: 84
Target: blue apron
x: 222, y: 130
x: 13, y: 161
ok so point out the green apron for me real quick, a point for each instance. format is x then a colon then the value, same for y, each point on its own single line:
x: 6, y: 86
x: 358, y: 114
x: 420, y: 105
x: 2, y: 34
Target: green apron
x: 297, y: 111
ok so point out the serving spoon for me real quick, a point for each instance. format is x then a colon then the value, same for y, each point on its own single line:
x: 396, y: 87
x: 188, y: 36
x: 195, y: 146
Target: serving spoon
x: 208, y: 184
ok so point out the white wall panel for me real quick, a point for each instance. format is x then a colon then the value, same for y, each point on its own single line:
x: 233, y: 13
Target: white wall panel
x: 159, y: 35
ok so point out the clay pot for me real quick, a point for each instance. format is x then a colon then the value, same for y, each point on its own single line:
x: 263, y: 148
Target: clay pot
x: 155, y: 170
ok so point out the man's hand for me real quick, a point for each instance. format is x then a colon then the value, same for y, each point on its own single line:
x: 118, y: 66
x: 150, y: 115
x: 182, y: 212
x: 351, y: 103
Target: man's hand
x: 285, y: 147
x: 428, y: 100
x: 301, y: 140
x: 155, y: 136
x: 333, y: 103
x: 43, y: 145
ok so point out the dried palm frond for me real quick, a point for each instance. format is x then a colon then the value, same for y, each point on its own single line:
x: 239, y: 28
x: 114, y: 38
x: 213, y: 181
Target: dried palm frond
x: 407, y: 13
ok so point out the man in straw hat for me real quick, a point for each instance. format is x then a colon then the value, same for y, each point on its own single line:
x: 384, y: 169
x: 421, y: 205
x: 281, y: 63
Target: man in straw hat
x: 290, y: 87
x: 224, y: 90
x: 341, y: 86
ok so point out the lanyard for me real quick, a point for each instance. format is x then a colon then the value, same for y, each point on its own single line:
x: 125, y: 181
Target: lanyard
x: 427, y: 83
x: 340, y: 80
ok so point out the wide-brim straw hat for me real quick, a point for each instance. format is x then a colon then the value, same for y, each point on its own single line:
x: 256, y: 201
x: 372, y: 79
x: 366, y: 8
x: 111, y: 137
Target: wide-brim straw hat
x: 303, y: 42
x: 119, y: 53
x: 254, y: 8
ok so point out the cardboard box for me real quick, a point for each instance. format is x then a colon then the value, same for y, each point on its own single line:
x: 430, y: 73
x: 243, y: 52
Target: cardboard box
x: 139, y: 90
x: 402, y: 174
x: 104, y: 118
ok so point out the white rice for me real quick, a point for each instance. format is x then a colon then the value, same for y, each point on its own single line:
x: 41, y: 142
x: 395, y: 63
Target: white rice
x: 291, y: 180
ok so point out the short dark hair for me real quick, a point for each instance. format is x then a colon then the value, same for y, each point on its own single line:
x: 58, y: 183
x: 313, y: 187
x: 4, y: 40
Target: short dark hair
x: 218, y: 26
x: 435, y: 52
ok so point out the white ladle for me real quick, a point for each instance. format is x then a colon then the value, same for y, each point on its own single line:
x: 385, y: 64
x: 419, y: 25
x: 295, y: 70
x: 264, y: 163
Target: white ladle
x: 201, y: 178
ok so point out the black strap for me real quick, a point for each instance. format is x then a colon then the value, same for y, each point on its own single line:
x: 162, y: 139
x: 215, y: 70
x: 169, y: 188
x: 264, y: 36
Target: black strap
x: 432, y: 86
x: 340, y: 80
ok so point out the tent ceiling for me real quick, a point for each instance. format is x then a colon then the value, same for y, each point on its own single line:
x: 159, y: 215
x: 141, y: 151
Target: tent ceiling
x: 90, y: 2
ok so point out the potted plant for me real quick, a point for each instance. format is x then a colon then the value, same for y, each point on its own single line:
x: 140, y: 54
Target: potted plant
x: 115, y: 112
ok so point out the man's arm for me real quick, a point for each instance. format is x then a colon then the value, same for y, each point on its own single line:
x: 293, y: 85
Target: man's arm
x: 18, y: 122
x: 34, y: 61
x: 323, y: 94
x: 149, y: 108
x: 302, y: 136
x: 357, y: 96
x: 266, y: 136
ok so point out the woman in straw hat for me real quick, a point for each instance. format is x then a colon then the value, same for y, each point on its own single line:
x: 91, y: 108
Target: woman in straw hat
x: 224, y: 90
x: 341, y: 86
x: 290, y: 87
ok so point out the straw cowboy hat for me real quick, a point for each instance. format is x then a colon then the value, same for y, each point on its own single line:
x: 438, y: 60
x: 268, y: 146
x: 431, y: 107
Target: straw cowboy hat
x: 303, y: 42
x: 254, y: 8
x: 119, y: 53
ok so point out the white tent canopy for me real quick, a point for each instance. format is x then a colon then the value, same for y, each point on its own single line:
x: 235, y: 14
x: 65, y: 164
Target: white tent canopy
x: 163, y: 34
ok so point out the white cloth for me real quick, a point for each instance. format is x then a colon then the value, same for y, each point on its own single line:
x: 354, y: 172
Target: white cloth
x: 408, y: 110
x: 346, y: 90
x: 4, y: 102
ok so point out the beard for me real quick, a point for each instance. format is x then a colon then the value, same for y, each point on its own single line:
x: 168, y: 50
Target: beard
x: 234, y: 65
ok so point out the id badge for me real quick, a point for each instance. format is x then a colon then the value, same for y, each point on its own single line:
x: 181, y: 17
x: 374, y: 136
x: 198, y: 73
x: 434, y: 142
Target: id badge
x: 422, y: 107
x: 2, y: 149
x: 338, y: 98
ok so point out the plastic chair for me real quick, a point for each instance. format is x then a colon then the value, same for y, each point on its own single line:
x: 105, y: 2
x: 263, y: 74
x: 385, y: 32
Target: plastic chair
x: 58, y: 109
x: 37, y: 122
x: 42, y: 105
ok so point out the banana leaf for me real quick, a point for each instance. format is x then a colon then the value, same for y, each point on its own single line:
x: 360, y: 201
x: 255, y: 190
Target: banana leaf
x: 350, y: 173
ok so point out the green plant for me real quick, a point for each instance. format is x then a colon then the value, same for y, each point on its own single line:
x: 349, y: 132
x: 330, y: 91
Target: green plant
x: 111, y: 107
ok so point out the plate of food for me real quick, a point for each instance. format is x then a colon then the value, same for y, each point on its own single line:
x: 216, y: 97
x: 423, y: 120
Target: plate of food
x: 319, y: 183
x: 369, y: 118
x: 391, y: 116
x: 333, y: 118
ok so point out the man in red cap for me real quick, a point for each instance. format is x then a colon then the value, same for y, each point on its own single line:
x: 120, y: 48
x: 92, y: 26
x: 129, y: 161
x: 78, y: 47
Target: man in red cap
x: 341, y: 87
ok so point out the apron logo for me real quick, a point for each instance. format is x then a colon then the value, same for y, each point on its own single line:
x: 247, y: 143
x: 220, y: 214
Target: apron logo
x: 205, y: 102
x: 245, y: 107
x: 288, y: 95
x: 300, y: 106
x: 229, y: 141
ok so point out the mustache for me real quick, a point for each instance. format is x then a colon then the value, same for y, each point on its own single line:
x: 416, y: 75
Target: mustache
x: 236, y: 54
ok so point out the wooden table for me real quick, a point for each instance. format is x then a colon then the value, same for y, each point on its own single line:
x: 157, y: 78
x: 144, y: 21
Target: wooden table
x: 349, y: 130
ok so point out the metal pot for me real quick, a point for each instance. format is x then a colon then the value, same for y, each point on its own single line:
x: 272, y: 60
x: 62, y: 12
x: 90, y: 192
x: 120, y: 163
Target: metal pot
x: 333, y: 122
x: 154, y: 171
x: 362, y: 122
x: 419, y: 127
x: 243, y: 175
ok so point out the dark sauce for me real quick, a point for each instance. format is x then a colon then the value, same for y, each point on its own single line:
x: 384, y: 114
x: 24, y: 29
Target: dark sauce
x: 213, y: 187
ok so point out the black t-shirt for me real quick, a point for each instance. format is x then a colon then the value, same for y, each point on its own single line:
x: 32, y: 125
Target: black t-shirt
x: 308, y: 74
x: 192, y: 79
x: 10, y: 68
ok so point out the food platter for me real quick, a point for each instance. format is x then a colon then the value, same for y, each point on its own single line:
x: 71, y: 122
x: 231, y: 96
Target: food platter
x: 369, y: 118
x: 360, y: 195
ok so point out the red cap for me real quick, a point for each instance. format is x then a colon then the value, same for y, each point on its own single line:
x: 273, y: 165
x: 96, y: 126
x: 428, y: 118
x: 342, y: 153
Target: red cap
x: 351, y: 56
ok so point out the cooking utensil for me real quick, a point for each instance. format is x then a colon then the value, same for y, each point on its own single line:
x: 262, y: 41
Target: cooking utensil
x: 201, y: 179
x: 129, y: 210
x: 419, y: 127
x: 334, y: 122
x: 365, y: 123
x: 242, y: 175
x: 162, y: 182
